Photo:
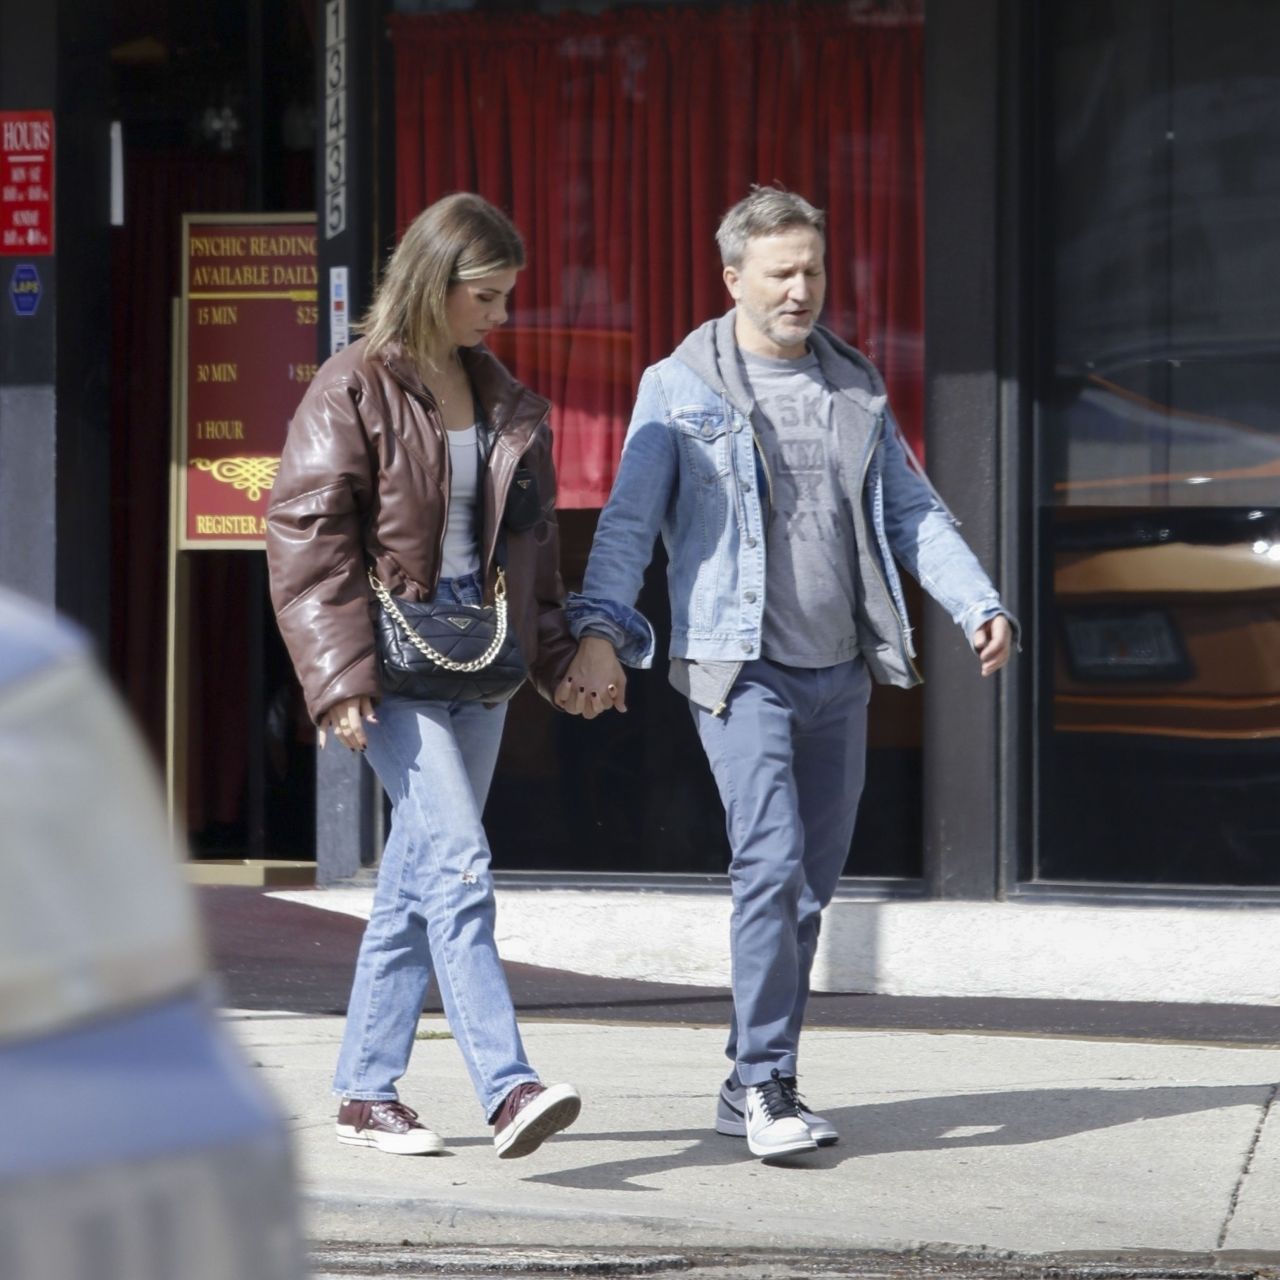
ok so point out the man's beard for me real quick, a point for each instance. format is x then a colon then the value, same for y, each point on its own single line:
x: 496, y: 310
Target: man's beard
x: 780, y: 329
x: 785, y: 330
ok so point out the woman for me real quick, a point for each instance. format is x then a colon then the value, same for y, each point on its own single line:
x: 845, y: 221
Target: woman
x: 382, y: 471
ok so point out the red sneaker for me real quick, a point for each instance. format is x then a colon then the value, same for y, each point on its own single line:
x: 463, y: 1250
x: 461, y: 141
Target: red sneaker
x: 530, y: 1114
x: 388, y: 1125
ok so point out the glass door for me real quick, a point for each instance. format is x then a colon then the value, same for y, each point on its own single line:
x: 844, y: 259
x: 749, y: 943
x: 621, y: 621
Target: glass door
x: 1157, y: 744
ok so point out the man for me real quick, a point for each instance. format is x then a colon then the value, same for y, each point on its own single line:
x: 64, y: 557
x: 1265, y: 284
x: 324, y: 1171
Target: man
x: 764, y: 452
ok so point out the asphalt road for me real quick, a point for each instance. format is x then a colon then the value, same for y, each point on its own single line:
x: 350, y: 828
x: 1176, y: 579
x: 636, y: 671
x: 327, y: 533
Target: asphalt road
x: 370, y: 1262
x: 271, y: 954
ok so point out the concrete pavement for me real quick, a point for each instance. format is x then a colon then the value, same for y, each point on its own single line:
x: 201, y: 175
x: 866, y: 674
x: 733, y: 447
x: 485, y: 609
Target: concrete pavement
x: 960, y: 1142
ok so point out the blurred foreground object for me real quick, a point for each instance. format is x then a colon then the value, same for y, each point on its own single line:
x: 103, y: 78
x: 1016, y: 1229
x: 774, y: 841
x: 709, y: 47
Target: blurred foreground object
x: 137, y: 1144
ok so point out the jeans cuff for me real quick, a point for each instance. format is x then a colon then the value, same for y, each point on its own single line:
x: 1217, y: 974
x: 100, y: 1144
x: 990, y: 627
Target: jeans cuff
x: 752, y: 1073
x: 491, y: 1109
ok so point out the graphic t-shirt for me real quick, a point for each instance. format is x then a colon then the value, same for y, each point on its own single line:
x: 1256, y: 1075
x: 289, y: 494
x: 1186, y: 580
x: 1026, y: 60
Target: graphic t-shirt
x: 810, y: 583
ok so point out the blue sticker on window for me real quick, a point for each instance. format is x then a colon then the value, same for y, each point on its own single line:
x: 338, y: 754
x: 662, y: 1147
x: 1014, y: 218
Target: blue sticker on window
x: 25, y: 289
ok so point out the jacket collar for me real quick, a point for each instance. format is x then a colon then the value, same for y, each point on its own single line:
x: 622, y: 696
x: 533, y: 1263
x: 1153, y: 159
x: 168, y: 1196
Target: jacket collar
x: 508, y: 406
x: 711, y: 351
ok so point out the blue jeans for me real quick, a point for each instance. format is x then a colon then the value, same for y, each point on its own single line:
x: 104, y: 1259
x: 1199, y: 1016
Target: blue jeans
x: 789, y: 757
x: 433, y: 909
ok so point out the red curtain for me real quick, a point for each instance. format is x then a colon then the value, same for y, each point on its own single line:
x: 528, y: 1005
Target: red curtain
x: 617, y: 141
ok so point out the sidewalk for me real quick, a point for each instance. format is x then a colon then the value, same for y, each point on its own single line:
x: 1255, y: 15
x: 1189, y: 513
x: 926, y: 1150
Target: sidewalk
x: 960, y: 1142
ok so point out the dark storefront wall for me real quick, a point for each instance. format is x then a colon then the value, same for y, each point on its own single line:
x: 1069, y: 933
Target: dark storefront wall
x: 616, y: 140
x: 1102, y: 192
x: 1157, y: 752
x: 205, y: 96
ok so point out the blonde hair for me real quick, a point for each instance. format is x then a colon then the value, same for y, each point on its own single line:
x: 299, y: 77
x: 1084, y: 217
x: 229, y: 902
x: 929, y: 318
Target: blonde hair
x: 461, y: 237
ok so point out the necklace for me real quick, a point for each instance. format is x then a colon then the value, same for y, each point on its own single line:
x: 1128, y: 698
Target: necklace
x: 452, y: 371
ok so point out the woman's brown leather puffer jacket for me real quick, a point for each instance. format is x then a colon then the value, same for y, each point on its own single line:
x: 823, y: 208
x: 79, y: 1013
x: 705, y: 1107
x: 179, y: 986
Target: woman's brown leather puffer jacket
x: 364, y: 483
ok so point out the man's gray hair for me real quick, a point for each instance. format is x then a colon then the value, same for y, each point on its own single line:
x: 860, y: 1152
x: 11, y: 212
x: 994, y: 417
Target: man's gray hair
x: 765, y: 212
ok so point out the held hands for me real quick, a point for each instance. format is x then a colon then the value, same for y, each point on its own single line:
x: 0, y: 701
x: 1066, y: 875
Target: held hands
x: 346, y: 721
x: 594, y: 682
x: 993, y: 643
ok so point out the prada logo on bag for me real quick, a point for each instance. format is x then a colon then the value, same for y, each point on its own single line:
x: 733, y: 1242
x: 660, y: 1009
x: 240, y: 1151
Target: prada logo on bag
x: 524, y: 484
x: 461, y: 623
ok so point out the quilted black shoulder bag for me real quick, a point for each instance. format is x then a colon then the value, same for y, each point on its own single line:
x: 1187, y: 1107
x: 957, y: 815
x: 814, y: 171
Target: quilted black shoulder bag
x: 448, y: 652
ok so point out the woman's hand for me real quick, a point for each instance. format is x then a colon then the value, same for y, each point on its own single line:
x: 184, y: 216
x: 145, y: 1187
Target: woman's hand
x: 346, y: 720
x: 594, y: 681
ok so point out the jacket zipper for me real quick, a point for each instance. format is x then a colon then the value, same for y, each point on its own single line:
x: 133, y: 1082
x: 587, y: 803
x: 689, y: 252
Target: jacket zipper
x: 433, y: 412
x: 884, y: 586
x: 448, y: 497
x: 720, y: 708
x: 764, y: 462
x: 499, y: 505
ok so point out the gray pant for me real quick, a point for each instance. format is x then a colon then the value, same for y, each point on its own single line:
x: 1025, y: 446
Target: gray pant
x: 789, y: 756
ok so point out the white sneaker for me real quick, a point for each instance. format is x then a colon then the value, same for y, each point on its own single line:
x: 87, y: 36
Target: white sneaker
x: 731, y: 1109
x: 772, y: 1120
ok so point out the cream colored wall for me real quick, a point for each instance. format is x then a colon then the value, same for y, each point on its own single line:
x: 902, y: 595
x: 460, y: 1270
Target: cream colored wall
x: 1030, y: 950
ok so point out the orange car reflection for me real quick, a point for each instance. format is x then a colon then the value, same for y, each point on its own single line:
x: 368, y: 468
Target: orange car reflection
x: 1168, y: 623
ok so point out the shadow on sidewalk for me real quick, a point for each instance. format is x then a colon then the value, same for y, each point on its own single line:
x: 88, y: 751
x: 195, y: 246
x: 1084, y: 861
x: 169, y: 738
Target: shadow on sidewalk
x: 273, y: 954
x: 949, y: 1121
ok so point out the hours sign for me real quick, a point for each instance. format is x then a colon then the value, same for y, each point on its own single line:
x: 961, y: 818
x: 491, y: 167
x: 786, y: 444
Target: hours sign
x: 26, y: 183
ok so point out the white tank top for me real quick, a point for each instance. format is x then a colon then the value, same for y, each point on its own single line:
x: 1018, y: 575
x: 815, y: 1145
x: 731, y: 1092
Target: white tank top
x: 461, y: 538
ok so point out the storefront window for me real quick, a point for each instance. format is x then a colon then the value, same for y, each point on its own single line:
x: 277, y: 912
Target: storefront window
x: 617, y: 139
x: 1158, y: 434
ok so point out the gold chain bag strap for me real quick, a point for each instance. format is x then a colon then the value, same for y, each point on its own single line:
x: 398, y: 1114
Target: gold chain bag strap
x: 446, y: 652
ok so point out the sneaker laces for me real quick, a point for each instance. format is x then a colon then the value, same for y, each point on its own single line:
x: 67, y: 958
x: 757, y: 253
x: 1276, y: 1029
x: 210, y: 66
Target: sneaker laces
x: 778, y: 1097
x: 791, y: 1086
x: 397, y: 1109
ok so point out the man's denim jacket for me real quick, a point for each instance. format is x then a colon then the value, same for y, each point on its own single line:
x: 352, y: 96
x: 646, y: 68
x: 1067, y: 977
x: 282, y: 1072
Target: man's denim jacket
x: 691, y: 470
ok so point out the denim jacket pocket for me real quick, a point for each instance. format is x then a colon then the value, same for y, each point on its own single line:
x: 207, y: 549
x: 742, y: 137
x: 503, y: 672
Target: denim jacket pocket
x: 704, y: 443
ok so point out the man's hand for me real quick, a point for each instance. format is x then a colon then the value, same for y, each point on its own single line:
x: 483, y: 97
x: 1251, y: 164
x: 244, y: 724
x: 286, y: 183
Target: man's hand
x: 594, y: 682
x: 993, y: 643
x: 346, y: 720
